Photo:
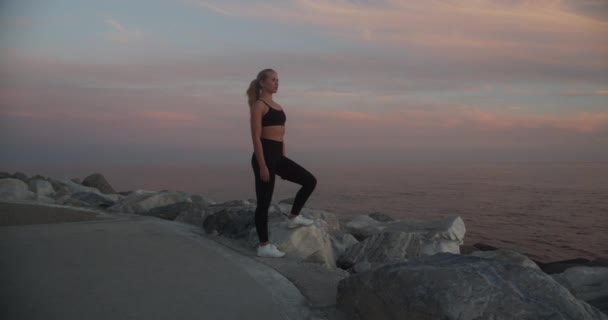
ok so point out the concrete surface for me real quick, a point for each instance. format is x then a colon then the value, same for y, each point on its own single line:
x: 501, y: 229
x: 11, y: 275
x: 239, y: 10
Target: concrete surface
x: 133, y: 267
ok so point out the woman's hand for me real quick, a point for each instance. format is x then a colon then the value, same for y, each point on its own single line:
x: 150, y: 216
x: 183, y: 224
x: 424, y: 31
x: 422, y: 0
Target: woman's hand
x: 264, y: 174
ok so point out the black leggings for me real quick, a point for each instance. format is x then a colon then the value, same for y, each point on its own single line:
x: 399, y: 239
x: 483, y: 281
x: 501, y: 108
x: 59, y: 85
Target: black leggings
x: 287, y: 170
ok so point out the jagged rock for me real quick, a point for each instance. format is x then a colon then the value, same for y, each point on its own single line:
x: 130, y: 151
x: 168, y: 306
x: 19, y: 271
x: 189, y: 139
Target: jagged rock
x: 4, y: 175
x: 232, y: 222
x: 406, y: 239
x: 89, y: 199
x: 484, y: 247
x: 586, y: 283
x: 382, y: 217
x: 97, y: 180
x: 12, y: 189
x: 509, y: 256
x: 307, y: 243
x: 342, y: 242
x: 185, y: 209
x: 76, y: 180
x: 448, y: 286
x: 41, y: 187
x: 141, y: 201
x: 364, y: 226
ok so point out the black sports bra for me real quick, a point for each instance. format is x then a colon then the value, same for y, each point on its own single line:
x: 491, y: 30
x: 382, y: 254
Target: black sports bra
x: 273, y: 117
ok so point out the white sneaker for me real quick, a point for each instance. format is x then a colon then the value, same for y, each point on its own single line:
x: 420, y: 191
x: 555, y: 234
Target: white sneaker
x: 270, y: 251
x: 298, y: 221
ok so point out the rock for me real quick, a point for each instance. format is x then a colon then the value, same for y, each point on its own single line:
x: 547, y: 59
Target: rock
x: 141, y: 201
x: 585, y: 283
x: 364, y: 226
x: 97, y: 180
x: 195, y: 215
x: 309, y: 243
x: 76, y: 180
x: 172, y: 211
x: 342, y: 242
x: 388, y: 247
x: 448, y: 286
x: 12, y: 189
x: 41, y: 187
x: 232, y: 222
x: 20, y: 176
x: 4, y: 175
x: 382, y: 217
x: 204, y: 201
x: 406, y: 239
x: 509, y: 256
x: 89, y: 199
x: 561, y: 266
x: 466, y: 249
x: 361, y: 267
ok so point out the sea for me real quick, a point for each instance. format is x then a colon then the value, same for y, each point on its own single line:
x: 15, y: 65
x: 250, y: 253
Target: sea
x: 548, y: 211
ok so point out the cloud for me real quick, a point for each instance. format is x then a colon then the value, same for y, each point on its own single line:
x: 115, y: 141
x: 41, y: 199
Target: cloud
x: 121, y: 34
x: 544, y: 31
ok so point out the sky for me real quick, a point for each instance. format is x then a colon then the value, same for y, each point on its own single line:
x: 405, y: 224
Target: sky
x: 163, y: 82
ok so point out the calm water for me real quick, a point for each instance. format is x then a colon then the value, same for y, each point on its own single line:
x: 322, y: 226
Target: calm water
x: 547, y: 211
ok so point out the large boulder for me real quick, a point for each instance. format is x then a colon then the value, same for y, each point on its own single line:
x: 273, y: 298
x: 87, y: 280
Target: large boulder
x: 448, y: 286
x: 41, y: 187
x: 509, y: 256
x: 172, y: 211
x: 142, y: 201
x: 88, y: 199
x: 12, y: 189
x: 306, y: 243
x: 74, y: 187
x: 98, y: 181
x: 404, y: 239
x: 364, y: 226
x: 232, y: 222
x: 589, y: 284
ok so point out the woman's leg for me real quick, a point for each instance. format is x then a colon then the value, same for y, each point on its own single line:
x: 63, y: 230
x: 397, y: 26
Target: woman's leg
x: 263, y: 192
x: 293, y: 172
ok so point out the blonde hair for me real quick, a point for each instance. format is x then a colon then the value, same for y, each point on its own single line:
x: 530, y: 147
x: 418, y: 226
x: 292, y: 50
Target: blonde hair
x: 253, y: 93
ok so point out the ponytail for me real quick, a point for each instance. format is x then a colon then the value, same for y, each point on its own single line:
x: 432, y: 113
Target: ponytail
x: 253, y: 93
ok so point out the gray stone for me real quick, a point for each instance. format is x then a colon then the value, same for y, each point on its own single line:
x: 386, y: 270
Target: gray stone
x: 364, y: 226
x: 382, y: 217
x: 509, y: 256
x: 98, y: 181
x: 89, y: 199
x: 12, y: 189
x: 404, y: 239
x: 41, y: 187
x: 585, y: 283
x: 342, y: 242
x: 184, y: 209
x: 448, y: 286
x: 76, y: 180
x: 4, y: 175
x: 142, y: 201
x: 233, y: 222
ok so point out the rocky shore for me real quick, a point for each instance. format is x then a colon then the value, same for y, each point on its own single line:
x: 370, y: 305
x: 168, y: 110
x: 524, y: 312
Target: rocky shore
x: 370, y: 267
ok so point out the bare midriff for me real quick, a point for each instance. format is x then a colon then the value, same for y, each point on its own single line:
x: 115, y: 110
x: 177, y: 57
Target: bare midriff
x: 273, y: 133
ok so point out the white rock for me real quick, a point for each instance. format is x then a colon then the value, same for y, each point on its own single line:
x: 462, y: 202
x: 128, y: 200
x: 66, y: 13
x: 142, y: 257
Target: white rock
x: 15, y: 189
x: 41, y: 187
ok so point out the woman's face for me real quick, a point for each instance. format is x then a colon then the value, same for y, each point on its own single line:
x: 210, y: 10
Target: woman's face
x: 271, y: 84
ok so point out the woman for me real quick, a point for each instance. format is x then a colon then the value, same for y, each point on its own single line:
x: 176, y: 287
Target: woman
x: 267, y: 131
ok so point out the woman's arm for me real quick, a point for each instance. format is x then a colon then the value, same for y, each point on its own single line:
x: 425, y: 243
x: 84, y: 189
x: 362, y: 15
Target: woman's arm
x: 257, y: 111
